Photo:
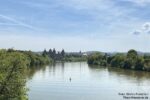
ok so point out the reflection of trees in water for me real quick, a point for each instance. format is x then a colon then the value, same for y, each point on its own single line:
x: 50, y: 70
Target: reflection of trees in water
x: 129, y: 73
x: 93, y: 67
x: 137, y: 77
x: 32, y: 70
x: 124, y: 74
x: 56, y: 66
x: 96, y: 66
x: 52, y: 68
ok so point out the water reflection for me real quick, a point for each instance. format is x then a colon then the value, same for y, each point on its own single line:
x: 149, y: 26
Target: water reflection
x: 137, y: 77
x: 124, y: 75
x: 34, y: 69
x: 78, y: 81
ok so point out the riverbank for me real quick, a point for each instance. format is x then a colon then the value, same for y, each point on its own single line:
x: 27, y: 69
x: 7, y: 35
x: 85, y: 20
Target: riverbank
x: 13, y: 69
x: 131, y: 60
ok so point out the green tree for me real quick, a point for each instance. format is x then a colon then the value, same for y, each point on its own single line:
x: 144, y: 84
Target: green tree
x: 118, y: 60
x: 13, y: 67
x: 63, y: 53
x: 97, y: 59
x: 139, y: 65
x: 131, y: 59
x: 44, y: 52
x: 127, y: 64
x: 132, y: 54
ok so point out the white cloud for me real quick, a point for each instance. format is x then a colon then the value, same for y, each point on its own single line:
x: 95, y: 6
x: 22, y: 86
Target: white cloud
x: 144, y: 29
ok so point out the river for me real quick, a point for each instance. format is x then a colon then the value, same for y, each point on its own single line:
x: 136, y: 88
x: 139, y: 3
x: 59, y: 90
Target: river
x: 79, y: 81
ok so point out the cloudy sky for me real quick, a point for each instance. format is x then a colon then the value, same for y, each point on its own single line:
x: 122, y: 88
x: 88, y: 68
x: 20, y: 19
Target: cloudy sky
x: 102, y: 25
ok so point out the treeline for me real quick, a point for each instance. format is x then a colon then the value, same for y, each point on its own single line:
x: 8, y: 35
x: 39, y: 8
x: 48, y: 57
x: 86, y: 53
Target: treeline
x: 75, y: 57
x: 33, y: 58
x: 13, y: 69
x: 55, y: 55
x: 36, y: 59
x: 63, y: 56
x: 131, y: 60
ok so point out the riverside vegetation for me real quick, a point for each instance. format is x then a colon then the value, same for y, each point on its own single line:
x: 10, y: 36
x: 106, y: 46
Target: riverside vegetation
x: 65, y: 57
x: 14, y: 65
x: 131, y: 60
x: 13, y: 68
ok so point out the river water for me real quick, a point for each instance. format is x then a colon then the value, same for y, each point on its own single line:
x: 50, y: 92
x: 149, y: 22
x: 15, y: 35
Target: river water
x: 79, y: 81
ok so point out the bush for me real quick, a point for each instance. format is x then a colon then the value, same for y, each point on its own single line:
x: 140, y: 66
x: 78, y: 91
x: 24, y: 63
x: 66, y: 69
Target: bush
x: 13, y: 68
x: 130, y: 61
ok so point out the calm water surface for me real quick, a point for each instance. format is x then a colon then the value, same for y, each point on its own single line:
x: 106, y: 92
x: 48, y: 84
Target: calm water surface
x: 87, y: 82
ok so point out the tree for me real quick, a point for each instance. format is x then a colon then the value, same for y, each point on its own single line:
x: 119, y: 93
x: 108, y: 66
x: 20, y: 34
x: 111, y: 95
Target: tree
x: 13, y: 68
x: 54, y: 54
x: 54, y: 51
x: 44, y: 52
x: 80, y: 53
x: 63, y: 53
x: 132, y: 54
x: 147, y: 62
x: 131, y: 59
x: 118, y: 60
x: 139, y: 65
x: 12, y: 76
x: 127, y: 64
x: 109, y: 59
x: 50, y: 53
x: 97, y: 59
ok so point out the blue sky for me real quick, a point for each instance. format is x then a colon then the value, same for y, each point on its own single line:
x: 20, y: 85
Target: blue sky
x: 102, y: 25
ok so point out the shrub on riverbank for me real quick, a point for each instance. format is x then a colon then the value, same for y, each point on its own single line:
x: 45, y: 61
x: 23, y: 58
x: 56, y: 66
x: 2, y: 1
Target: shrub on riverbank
x: 74, y: 59
x: 36, y: 59
x: 13, y: 68
x: 131, y: 60
x: 97, y: 59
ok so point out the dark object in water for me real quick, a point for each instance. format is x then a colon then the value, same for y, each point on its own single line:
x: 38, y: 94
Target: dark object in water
x: 70, y: 79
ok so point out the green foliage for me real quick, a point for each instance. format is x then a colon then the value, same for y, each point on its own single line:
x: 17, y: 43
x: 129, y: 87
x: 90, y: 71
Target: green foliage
x: 97, y: 59
x: 53, y: 54
x: 118, y: 60
x: 109, y: 59
x: 132, y: 54
x: 146, y: 62
x: 139, y: 65
x: 130, y: 61
x: 74, y: 59
x: 13, y: 69
x: 36, y: 59
x: 127, y: 64
x: 62, y: 56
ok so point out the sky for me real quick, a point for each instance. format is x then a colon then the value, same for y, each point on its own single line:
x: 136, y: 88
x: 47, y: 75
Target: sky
x: 74, y: 25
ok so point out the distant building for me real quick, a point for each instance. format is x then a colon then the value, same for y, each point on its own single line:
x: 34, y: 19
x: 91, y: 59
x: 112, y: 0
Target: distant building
x: 84, y: 54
